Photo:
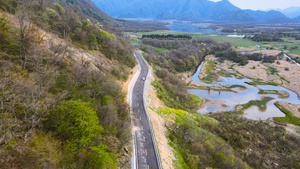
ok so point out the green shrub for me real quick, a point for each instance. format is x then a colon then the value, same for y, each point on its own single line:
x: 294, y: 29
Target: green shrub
x: 273, y: 84
x: 76, y: 122
x: 251, y: 83
x: 59, y: 8
x: 85, y: 24
x: 51, y: 13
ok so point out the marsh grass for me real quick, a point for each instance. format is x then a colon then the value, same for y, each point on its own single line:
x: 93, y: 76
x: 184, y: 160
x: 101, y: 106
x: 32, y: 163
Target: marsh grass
x: 289, y: 118
x: 261, y: 104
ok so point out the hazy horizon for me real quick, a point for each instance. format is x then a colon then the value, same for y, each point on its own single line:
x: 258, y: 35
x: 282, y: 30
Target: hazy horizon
x: 264, y: 4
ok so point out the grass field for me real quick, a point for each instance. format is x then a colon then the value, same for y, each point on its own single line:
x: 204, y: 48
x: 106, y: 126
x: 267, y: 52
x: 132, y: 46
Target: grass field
x: 239, y: 42
x: 236, y: 42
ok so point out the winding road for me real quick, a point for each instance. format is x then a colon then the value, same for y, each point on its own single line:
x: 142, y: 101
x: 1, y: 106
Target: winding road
x: 147, y: 156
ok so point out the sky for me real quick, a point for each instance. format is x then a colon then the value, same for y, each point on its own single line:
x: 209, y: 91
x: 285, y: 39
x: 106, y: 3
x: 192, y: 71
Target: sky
x: 264, y: 4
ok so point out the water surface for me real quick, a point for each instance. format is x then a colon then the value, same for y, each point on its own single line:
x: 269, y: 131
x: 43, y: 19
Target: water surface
x: 191, y: 28
x: 231, y: 99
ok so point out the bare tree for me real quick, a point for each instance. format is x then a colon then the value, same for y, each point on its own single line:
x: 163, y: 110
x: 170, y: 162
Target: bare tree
x: 24, y: 29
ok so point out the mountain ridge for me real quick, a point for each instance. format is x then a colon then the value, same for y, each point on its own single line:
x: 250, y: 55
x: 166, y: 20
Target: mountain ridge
x: 291, y: 12
x: 192, y: 10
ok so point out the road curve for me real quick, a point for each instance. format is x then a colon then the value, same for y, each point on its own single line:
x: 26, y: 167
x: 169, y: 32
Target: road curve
x: 147, y: 156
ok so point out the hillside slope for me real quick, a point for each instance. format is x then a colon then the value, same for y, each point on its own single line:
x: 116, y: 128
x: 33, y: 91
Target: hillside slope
x: 61, y: 103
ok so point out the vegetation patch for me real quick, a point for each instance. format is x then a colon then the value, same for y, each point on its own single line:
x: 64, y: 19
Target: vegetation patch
x: 256, y: 142
x: 290, y: 118
x: 251, y: 83
x: 169, y: 97
x: 209, y: 66
x: 283, y: 79
x: 231, y: 66
x: 237, y: 86
x: 261, y: 104
x: 282, y: 94
x: 273, y: 83
x: 60, y: 110
x: 161, y: 49
x: 225, y: 73
x: 272, y: 70
x: 210, y: 78
x: 192, y: 143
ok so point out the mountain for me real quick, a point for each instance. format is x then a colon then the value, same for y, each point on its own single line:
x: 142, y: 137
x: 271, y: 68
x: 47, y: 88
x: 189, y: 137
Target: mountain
x: 263, y: 16
x: 291, y: 12
x: 168, y: 9
x: 297, y: 18
x: 192, y: 10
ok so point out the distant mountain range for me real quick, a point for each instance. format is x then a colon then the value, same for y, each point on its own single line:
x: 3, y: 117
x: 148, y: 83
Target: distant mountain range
x: 291, y: 12
x: 188, y: 10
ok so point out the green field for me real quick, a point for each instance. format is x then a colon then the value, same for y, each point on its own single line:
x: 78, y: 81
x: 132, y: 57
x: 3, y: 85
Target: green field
x: 239, y: 42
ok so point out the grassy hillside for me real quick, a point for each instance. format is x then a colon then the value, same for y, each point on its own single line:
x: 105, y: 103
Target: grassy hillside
x: 61, y: 105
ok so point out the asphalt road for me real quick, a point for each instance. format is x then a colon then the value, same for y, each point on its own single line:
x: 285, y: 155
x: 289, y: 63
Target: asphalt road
x: 146, y: 154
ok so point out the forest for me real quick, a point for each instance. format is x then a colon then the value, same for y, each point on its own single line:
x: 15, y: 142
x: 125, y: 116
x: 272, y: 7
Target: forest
x: 169, y: 36
x: 228, y: 140
x: 243, y: 58
x: 57, y: 110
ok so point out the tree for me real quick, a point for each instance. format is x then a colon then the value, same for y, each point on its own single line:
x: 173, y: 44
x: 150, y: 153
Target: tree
x: 24, y: 29
x: 76, y: 122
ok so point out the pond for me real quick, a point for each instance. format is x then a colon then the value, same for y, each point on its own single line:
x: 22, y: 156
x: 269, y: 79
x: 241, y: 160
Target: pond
x: 231, y: 36
x: 191, y: 28
x: 229, y: 100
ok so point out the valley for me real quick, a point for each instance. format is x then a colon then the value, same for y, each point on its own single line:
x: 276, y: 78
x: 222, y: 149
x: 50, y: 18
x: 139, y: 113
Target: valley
x: 250, y: 86
x: 148, y: 84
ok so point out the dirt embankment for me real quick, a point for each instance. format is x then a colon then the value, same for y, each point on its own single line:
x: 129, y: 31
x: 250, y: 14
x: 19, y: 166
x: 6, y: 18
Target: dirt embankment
x: 158, y: 123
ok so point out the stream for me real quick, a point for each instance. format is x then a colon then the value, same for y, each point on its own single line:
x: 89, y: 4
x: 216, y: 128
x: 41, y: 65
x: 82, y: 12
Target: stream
x: 229, y: 100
